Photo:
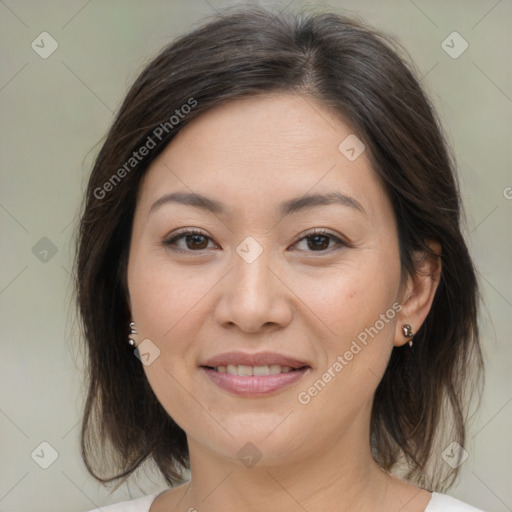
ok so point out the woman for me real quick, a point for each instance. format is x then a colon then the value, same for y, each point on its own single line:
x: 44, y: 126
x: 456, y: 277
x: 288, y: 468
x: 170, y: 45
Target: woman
x: 273, y: 284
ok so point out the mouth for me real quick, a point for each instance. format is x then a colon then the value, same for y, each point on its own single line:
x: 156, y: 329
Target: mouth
x: 248, y: 371
x: 254, y: 381
x: 254, y: 375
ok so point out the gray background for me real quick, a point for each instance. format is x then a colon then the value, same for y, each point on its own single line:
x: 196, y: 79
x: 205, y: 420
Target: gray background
x: 55, y: 112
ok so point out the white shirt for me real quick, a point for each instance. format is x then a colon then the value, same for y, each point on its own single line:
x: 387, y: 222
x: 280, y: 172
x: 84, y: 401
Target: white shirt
x: 438, y: 503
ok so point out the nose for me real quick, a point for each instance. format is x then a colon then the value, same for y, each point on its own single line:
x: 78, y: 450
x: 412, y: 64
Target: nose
x: 254, y: 297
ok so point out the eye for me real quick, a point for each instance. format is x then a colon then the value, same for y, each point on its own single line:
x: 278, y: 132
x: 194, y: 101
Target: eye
x: 196, y: 241
x: 321, y: 239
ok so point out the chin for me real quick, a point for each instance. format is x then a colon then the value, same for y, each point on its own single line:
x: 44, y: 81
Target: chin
x: 268, y: 439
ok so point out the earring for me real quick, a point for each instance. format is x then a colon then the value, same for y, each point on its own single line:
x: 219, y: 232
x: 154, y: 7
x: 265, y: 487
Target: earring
x: 407, y: 332
x: 133, y: 330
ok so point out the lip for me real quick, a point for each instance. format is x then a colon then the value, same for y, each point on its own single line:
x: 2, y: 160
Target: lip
x: 257, y: 359
x: 255, y: 385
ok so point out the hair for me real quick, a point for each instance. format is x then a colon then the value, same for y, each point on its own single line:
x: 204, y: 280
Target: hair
x: 359, y: 74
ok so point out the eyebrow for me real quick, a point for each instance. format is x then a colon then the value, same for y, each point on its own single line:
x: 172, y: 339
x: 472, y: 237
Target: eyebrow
x: 286, y: 208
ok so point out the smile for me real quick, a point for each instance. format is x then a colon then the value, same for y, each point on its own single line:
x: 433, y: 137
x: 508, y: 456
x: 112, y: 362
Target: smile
x: 246, y: 371
x: 254, y: 381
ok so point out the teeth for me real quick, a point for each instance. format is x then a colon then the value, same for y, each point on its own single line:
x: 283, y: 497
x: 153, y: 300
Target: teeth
x: 245, y: 371
x: 261, y: 370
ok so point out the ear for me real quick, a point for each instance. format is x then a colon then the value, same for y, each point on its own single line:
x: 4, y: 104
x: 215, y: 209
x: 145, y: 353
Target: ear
x: 419, y: 291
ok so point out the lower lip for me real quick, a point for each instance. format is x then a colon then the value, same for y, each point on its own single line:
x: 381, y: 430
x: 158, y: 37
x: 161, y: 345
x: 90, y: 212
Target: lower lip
x: 256, y: 385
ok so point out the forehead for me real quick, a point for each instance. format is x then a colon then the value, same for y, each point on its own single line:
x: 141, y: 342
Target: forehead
x: 284, y: 126
x: 271, y: 147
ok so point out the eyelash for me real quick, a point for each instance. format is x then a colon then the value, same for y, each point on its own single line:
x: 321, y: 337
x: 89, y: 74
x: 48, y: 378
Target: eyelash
x: 170, y: 243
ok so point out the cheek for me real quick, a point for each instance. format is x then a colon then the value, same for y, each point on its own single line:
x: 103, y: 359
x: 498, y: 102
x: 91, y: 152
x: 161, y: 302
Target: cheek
x: 358, y: 309
x: 352, y: 298
x: 168, y: 310
x: 163, y: 297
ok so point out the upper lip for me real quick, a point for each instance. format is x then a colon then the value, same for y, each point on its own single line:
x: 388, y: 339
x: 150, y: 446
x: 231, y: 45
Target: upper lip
x: 257, y: 359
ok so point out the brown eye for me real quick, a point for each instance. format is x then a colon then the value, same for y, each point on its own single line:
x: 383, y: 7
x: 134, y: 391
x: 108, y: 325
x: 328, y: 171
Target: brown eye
x: 319, y: 240
x: 194, y: 241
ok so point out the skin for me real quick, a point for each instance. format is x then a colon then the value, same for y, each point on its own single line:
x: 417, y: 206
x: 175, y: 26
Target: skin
x: 296, y: 299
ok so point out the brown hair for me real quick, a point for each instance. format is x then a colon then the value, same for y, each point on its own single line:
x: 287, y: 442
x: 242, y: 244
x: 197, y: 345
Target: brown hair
x: 358, y: 73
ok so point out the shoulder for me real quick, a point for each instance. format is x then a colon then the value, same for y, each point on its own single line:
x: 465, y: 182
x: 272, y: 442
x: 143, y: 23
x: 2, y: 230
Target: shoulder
x: 444, y: 503
x: 141, y: 504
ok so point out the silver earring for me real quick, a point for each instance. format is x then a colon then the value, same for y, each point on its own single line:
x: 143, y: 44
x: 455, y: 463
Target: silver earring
x: 133, y: 330
x: 407, y: 332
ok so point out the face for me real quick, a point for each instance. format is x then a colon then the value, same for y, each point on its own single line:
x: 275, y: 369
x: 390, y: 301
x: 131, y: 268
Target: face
x: 318, y: 285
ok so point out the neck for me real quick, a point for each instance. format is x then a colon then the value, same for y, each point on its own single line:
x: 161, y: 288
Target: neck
x: 343, y: 477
